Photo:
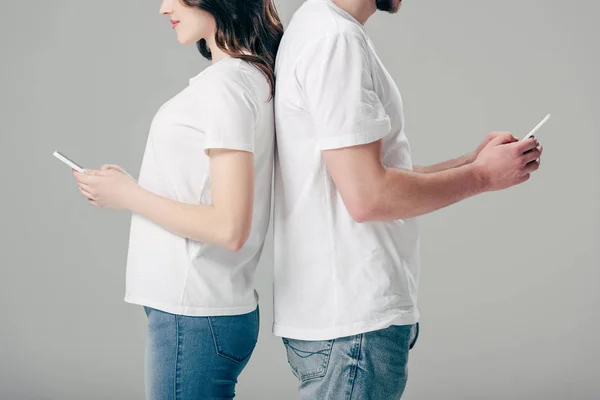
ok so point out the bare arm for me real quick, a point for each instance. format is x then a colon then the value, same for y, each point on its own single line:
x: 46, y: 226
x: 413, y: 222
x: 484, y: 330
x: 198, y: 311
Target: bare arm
x: 373, y: 192
x: 463, y: 160
x: 443, y: 166
x: 227, y: 221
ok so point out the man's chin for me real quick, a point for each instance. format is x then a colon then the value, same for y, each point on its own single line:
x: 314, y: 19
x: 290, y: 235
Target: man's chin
x: 390, y: 6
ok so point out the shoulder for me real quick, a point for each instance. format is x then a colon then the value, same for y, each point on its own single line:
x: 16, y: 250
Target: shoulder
x: 330, y: 40
x: 231, y: 80
x: 347, y: 46
x: 226, y: 73
x: 318, y: 20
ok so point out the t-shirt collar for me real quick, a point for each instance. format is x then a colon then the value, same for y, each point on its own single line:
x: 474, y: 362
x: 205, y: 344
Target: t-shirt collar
x: 340, y: 11
x: 195, y: 78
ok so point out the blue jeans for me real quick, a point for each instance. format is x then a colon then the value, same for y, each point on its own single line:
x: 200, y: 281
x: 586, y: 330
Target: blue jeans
x: 197, y: 357
x: 369, y: 366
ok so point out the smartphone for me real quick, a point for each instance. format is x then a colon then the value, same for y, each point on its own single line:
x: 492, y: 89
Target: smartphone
x: 538, y: 126
x: 69, y: 162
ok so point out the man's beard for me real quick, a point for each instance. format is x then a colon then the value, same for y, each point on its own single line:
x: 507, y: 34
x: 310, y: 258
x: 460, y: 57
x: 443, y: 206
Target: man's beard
x: 388, y: 5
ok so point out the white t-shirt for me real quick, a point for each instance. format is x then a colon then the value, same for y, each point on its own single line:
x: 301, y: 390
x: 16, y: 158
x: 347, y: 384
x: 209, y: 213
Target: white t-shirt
x: 335, y: 277
x: 226, y: 106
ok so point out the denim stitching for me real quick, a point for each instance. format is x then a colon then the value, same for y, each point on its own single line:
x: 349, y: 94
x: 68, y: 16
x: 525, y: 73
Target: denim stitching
x: 414, y: 341
x: 179, y: 351
x: 354, y: 367
x: 303, y: 377
x: 219, y: 349
x: 215, y: 335
x: 308, y: 353
x: 328, y: 358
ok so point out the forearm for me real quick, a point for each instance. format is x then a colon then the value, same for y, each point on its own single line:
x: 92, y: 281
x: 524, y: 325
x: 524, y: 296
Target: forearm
x: 446, y: 165
x: 406, y: 194
x: 201, y: 223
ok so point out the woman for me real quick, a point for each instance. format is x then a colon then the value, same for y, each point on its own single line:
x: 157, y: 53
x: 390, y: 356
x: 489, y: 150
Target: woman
x: 202, y: 204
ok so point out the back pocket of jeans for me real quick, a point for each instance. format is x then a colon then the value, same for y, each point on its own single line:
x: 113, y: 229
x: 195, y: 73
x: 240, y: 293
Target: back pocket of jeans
x: 308, y: 359
x: 235, y: 336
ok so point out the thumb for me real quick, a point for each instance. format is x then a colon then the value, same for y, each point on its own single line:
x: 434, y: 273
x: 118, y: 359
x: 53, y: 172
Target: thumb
x: 111, y: 167
x: 502, y: 139
x: 95, y: 172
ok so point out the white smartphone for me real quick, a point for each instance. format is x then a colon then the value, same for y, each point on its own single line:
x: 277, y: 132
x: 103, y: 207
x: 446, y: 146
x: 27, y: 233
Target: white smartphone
x: 538, y: 126
x: 69, y: 162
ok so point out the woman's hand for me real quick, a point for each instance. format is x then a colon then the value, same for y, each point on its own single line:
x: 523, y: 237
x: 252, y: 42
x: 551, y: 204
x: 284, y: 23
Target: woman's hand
x: 109, y: 187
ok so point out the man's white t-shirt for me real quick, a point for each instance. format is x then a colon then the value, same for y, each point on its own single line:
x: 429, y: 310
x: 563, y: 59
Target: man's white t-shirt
x: 335, y: 277
x: 227, y: 106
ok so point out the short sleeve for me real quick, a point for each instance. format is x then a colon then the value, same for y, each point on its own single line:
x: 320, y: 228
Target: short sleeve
x: 335, y: 79
x: 229, y: 114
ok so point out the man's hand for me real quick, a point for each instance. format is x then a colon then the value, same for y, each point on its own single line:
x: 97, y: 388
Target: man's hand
x: 504, y: 162
x: 490, y: 136
x: 466, y: 159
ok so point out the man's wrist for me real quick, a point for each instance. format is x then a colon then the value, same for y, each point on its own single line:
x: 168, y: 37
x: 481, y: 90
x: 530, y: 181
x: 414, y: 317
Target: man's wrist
x: 478, y: 177
x: 470, y: 157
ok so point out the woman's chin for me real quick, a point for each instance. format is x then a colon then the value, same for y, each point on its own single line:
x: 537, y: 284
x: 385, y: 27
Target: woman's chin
x: 185, y: 40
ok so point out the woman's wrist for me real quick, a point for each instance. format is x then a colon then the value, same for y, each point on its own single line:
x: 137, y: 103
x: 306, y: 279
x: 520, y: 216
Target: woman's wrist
x: 135, y: 199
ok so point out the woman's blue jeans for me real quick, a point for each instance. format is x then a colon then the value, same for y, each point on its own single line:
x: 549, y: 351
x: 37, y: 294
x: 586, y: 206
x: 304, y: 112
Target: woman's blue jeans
x: 197, y: 357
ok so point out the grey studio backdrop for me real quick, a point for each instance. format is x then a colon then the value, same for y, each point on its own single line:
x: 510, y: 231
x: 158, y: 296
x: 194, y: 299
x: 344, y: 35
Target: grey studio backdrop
x: 509, y: 296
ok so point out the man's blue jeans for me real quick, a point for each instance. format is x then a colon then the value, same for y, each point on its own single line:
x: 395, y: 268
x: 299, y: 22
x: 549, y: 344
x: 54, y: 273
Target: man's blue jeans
x: 197, y: 357
x: 369, y: 366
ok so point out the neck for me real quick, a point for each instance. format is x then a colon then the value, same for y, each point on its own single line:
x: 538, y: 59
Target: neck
x: 359, y: 9
x: 215, y: 51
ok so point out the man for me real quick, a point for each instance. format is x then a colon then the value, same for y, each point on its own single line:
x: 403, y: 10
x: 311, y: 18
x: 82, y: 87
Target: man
x: 346, y: 194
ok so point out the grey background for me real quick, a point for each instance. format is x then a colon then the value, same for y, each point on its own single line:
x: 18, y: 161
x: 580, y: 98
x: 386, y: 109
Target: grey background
x: 509, y: 280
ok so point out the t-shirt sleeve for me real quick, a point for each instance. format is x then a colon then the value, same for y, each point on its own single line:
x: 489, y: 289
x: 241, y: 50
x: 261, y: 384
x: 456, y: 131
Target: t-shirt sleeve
x: 335, y: 79
x: 229, y: 115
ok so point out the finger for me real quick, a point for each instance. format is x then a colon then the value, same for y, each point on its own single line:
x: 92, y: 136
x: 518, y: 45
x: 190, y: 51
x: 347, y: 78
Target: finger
x: 502, y: 138
x: 92, y: 173
x: 531, y: 155
x: 80, y: 177
x: 88, y: 177
x: 507, y: 135
x: 524, y: 178
x: 86, y: 191
x: 93, y: 202
x: 532, y: 166
x: 85, y: 187
x: 111, y: 166
x: 85, y: 179
x: 87, y: 194
x: 526, y: 145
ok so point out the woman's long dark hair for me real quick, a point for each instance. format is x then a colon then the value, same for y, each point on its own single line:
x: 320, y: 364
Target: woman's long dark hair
x: 251, y: 25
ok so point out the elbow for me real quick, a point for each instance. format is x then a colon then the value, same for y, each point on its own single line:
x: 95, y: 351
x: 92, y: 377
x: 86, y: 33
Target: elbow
x: 363, y: 210
x: 359, y: 214
x: 235, y: 237
x: 235, y: 243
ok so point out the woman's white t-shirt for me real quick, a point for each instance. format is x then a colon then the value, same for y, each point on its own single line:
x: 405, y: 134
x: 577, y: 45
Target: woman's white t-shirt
x: 227, y: 106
